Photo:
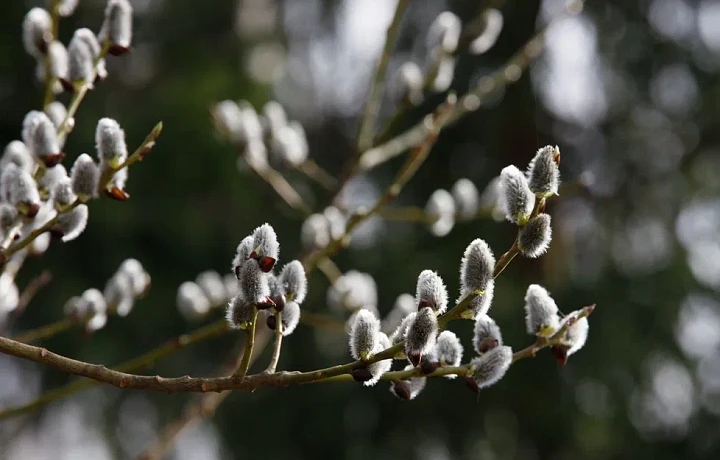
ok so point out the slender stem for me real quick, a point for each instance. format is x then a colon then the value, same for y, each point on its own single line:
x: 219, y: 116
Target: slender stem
x: 49, y: 330
x: 372, y: 108
x: 278, y: 344
x: 312, y: 170
x: 329, y: 269
x: 249, y: 344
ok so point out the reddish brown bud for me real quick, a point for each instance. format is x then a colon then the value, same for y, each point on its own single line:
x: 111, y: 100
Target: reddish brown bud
x: 67, y: 85
x: 279, y: 301
x: 487, y: 345
x: 361, y: 374
x: 53, y: 160
x: 471, y: 384
x: 117, y: 50
x: 414, y: 358
x: 32, y: 210
x: 117, y: 194
x: 560, y: 353
x: 271, y: 322
x: 401, y: 388
x: 428, y: 367
x: 266, y: 304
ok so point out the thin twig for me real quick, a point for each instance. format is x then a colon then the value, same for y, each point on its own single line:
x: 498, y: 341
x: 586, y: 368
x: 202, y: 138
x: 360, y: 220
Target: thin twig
x: 242, y: 369
x: 313, y: 171
x: 278, y: 344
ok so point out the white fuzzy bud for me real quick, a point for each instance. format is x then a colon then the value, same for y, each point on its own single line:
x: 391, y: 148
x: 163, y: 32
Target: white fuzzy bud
x: 493, y: 26
x: 576, y: 335
x: 75, y: 307
x: 448, y: 350
x: 408, y: 389
x: 8, y: 214
x: 239, y: 313
x: 364, y: 334
x: 294, y: 281
x: 117, y: 27
x: 489, y: 368
x: 534, y: 238
x: 59, y: 60
x: 56, y: 112
x: 315, y: 232
x: 139, y: 278
x: 410, y: 82
x: 381, y: 367
x: 18, y: 188
x: 119, y: 293
x: 80, y: 61
x: 39, y: 135
x: 17, y: 153
x: 467, y: 199
x: 265, y: 242
x: 352, y: 291
x: 253, y: 282
x: 477, y: 266
x: 275, y: 118
x: 85, y: 176
x: 541, y: 312
x: 67, y: 7
x: 517, y: 198
x: 110, y: 142
x: 9, y: 296
x: 445, y: 74
x: 95, y: 305
x: 431, y: 292
x: 404, y: 305
x: 72, y: 223
x: 212, y: 286
x: 421, y: 335
x: 290, y: 317
x: 242, y: 253
x: 543, y: 172
x: 255, y: 155
x: 486, y: 334
x: 232, y: 287
x: 62, y: 194
x: 401, y: 331
x: 444, y: 32
x: 191, y: 301
x: 481, y: 304
x: 227, y: 118
x: 40, y: 244
x: 291, y: 145
x: 36, y: 30
x: 440, y: 208
x: 336, y: 222
x: 51, y: 177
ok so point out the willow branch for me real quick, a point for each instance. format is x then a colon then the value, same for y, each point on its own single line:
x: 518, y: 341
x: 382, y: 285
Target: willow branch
x: 278, y: 344
x: 249, y: 344
x: 313, y: 171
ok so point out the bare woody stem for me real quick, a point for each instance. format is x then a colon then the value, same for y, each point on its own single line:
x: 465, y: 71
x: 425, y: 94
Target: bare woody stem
x: 313, y: 171
x: 249, y: 344
x: 278, y: 344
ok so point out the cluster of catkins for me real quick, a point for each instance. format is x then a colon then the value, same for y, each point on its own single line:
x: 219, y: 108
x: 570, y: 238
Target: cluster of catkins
x: 195, y: 299
x: 258, y: 287
x: 82, y: 61
x: 416, y: 319
x: 443, y: 40
x: 130, y: 282
x: 34, y: 191
x: 256, y: 135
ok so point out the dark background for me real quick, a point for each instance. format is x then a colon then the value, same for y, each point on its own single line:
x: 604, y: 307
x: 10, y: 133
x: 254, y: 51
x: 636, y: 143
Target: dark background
x: 628, y: 90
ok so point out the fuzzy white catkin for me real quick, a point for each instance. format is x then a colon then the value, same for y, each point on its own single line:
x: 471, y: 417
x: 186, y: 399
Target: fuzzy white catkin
x: 493, y: 26
x: 8, y: 214
x: 253, y: 282
x: 541, y: 312
x: 239, y: 313
x: 56, y: 112
x: 9, y: 296
x: 421, y: 334
x: 401, y: 332
x: 445, y: 74
x: 117, y: 27
x: 75, y: 307
x: 489, y: 368
x: 39, y: 134
x: 485, y: 328
x: 448, y: 349
x: 232, y: 287
x: 265, y: 241
x: 381, y: 367
x: 62, y: 194
x: 212, y: 286
x: 275, y: 118
x: 255, y: 155
x: 40, y: 244
x: 315, y: 232
x: 534, y: 238
x: 476, y: 267
x: 293, y: 144
x: 441, y: 208
x: 35, y: 28
x: 517, y: 198
x: 431, y: 292
x: 482, y: 303
x: 119, y: 179
x: 110, y: 142
x: 191, y: 301
x: 242, y: 253
x: 404, y: 305
x: 364, y: 334
x: 352, y: 291
x: 72, y: 223
x: 17, y: 187
x: 51, y: 177
x: 467, y: 198
x: 290, y: 317
x: 16, y: 152
x: 275, y: 284
x: 85, y: 176
x: 577, y: 334
x: 410, y: 82
x: 227, y: 118
x: 58, y: 59
x: 138, y: 276
x: 119, y: 293
x: 444, y: 32
x: 294, y: 281
x: 543, y: 172
x: 80, y: 61
x: 67, y: 7
x: 336, y: 222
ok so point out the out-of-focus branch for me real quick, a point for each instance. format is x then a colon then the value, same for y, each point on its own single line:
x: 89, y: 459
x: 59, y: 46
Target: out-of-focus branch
x: 54, y: 9
x: 313, y: 171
